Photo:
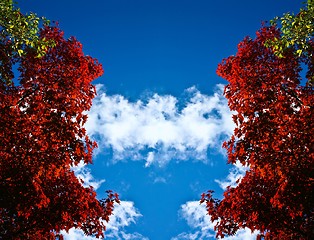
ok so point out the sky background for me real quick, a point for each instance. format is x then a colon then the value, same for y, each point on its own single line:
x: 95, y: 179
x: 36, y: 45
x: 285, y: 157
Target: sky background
x: 160, y: 116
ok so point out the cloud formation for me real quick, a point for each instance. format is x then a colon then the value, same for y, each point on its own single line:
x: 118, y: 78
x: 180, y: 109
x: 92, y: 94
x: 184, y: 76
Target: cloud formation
x: 82, y: 172
x: 198, y: 220
x: 75, y: 234
x: 201, y: 226
x: 124, y: 214
x: 160, y: 128
x: 235, y: 174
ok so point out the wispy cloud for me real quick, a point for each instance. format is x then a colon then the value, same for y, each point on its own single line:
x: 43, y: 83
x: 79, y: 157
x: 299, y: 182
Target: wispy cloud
x: 124, y: 214
x: 243, y: 234
x: 198, y: 220
x: 126, y: 236
x: 75, y: 234
x: 160, y: 180
x: 160, y: 128
x: 83, y: 172
x: 201, y: 226
x: 235, y: 174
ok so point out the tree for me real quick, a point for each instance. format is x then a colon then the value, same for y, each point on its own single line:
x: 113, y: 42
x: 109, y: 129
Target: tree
x: 274, y: 137
x: 42, y: 136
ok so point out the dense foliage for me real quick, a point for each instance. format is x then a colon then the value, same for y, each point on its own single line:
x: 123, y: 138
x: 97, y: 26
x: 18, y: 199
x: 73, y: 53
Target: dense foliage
x: 274, y: 137
x: 22, y: 29
x: 42, y: 134
x: 296, y: 31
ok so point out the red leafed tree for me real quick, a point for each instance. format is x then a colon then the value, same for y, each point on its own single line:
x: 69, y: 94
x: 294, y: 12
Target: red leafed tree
x: 42, y: 136
x: 274, y: 137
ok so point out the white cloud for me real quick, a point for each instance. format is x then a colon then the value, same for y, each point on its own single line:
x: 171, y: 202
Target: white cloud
x: 75, y: 234
x: 160, y: 180
x: 196, y: 215
x: 243, y: 234
x: 187, y: 236
x: 235, y: 174
x: 198, y: 220
x: 160, y: 128
x: 201, y: 226
x: 124, y: 214
x: 82, y: 172
x: 127, y: 236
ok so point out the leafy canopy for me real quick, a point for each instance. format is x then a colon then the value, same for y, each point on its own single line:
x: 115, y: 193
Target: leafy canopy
x: 42, y: 134
x: 274, y: 137
x: 297, y: 32
x: 21, y: 30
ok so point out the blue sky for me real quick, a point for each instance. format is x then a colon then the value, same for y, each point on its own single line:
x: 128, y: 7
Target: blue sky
x: 160, y: 117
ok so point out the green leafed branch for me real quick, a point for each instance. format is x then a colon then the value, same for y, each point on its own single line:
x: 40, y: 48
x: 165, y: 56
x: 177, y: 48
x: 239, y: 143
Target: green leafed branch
x: 21, y: 30
x: 297, y: 33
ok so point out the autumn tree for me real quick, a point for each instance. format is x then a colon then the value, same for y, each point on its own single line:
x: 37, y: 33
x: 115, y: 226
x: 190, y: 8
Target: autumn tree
x: 274, y: 137
x: 42, y: 135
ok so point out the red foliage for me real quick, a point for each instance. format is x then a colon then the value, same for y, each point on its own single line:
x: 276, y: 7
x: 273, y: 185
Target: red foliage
x: 274, y: 136
x: 41, y: 136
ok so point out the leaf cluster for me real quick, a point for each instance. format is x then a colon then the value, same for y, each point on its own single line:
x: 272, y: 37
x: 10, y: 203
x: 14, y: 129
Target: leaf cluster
x: 274, y: 137
x: 19, y: 32
x: 42, y: 135
x: 22, y: 30
x: 297, y: 30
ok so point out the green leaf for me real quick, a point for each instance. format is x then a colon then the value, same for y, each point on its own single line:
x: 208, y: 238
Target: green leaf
x: 299, y: 52
x: 20, y: 52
